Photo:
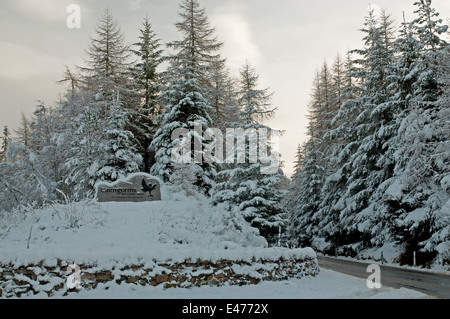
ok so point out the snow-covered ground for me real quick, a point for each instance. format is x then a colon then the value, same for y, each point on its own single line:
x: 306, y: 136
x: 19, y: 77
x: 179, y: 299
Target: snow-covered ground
x: 176, y: 228
x: 327, y: 285
x: 173, y: 228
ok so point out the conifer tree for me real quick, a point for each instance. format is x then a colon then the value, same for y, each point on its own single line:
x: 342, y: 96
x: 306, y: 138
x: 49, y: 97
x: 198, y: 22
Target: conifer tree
x: 364, y: 175
x: 387, y: 207
x: 102, y: 151
x: 316, y: 164
x: 439, y: 202
x: 106, y: 71
x: 147, y: 83
x: 23, y: 132
x: 222, y: 96
x: 86, y: 154
x: 43, y: 128
x: 256, y: 195
x: 199, y: 44
x: 120, y: 155
x: 5, y: 140
x: 185, y: 109
x: 421, y: 140
x: 185, y: 101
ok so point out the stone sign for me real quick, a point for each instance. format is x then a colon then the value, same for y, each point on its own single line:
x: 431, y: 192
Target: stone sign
x: 134, y: 188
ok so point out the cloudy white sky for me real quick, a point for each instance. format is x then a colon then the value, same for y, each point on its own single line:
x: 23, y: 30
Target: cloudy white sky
x: 286, y: 41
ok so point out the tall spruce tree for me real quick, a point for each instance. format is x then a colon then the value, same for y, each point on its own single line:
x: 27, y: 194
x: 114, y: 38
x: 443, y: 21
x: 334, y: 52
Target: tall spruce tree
x: 316, y: 163
x: 102, y: 144
x: 386, y: 205
x: 245, y: 186
x: 439, y: 241
x: 84, y: 163
x: 373, y: 161
x: 363, y: 175
x: 421, y: 141
x: 120, y: 155
x: 147, y: 83
x: 185, y: 101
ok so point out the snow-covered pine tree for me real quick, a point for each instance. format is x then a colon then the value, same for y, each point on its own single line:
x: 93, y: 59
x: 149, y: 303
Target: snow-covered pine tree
x: 5, y: 139
x: 212, y: 73
x: 103, y: 150
x: 102, y: 146
x: 83, y: 163
x: 23, y: 132
x: 120, y: 156
x: 341, y: 83
x: 199, y: 43
x: 106, y: 69
x: 293, y: 192
x: 363, y: 175
x: 316, y: 163
x: 68, y: 116
x: 373, y: 162
x: 422, y: 144
x: 222, y: 96
x: 386, y: 205
x: 185, y: 108
x: 439, y: 242
x: 245, y: 187
x: 43, y: 127
x: 304, y: 226
x: 342, y: 137
x: 299, y: 160
x: 147, y: 83
x: 185, y: 101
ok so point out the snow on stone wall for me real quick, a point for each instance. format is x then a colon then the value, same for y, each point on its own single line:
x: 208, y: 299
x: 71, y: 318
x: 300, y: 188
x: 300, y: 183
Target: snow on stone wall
x: 52, y: 279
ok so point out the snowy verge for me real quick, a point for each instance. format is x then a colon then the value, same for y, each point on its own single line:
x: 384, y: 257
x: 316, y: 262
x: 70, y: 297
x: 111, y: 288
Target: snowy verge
x: 326, y: 285
x: 178, y: 226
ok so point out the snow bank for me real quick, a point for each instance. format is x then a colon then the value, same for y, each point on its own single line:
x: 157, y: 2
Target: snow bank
x: 176, y: 227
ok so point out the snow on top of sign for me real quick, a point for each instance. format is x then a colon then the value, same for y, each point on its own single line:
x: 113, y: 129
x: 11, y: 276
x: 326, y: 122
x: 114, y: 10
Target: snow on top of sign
x: 128, y: 179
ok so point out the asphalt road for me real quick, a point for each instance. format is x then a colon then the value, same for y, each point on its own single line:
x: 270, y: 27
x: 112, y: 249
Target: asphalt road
x: 433, y: 284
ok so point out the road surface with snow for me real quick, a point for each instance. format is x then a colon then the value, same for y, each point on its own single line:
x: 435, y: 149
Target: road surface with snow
x: 430, y: 283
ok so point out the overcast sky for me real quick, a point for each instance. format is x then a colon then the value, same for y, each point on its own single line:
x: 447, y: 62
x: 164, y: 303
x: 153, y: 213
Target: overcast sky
x: 285, y: 40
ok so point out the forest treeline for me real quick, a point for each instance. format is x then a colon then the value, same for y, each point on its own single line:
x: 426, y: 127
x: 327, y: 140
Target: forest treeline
x: 374, y: 173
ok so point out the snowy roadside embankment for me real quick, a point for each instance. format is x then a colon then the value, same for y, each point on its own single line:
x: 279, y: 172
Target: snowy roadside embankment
x: 91, y: 231
x: 177, y: 242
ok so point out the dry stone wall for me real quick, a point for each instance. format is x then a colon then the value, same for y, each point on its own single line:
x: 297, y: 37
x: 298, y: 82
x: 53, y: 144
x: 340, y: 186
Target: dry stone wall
x: 47, y: 281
